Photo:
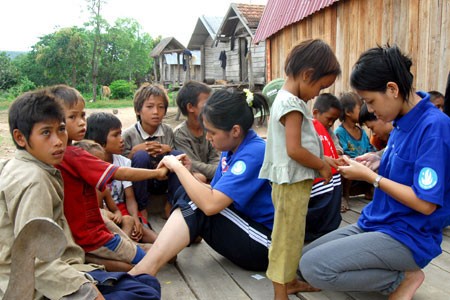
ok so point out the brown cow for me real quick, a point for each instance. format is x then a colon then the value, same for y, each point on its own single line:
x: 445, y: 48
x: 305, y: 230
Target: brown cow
x: 105, y: 92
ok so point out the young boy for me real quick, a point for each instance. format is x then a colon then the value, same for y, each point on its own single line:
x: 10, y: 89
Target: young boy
x: 437, y: 99
x: 30, y: 187
x: 106, y: 130
x: 190, y: 137
x: 324, y: 204
x: 380, y: 129
x: 355, y: 142
x: 83, y: 173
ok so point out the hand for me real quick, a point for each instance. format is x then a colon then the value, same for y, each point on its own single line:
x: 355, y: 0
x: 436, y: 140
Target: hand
x: 171, y: 161
x: 325, y: 172
x: 334, y: 163
x: 137, y: 233
x: 117, y: 217
x: 356, y: 171
x: 154, y: 148
x: 161, y: 172
x: 370, y: 160
x: 185, y: 160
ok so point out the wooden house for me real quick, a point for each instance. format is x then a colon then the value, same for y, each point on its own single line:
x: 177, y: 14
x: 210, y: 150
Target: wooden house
x: 419, y: 27
x: 169, y: 55
x: 245, y: 61
x: 202, y: 40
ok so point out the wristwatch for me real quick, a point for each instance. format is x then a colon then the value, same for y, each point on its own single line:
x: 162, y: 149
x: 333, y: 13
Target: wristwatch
x: 376, y: 183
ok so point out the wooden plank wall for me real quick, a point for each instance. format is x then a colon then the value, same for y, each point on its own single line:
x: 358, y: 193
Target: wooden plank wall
x: 212, y: 62
x: 421, y: 28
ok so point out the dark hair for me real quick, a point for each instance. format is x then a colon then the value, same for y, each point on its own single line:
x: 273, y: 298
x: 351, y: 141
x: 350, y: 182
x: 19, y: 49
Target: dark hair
x: 365, y: 115
x: 225, y: 109
x: 312, y: 54
x: 378, y: 66
x: 324, y: 102
x: 189, y: 94
x: 348, y: 101
x: 99, y: 125
x: 447, y: 97
x: 68, y: 96
x: 31, y: 108
x: 144, y: 92
x: 435, y: 95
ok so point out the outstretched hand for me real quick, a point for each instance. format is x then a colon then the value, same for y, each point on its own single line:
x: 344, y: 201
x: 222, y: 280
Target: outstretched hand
x: 354, y: 170
x: 172, y: 162
x: 370, y: 160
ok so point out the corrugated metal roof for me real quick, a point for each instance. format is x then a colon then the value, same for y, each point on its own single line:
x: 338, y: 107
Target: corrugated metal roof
x: 169, y: 43
x: 281, y: 13
x: 206, y: 26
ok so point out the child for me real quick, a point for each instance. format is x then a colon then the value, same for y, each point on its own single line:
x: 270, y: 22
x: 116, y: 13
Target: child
x: 293, y: 155
x: 112, y: 216
x: 106, y: 129
x: 380, y: 129
x: 30, y: 187
x: 83, y: 173
x: 400, y: 231
x: 324, y: 204
x: 190, y: 137
x: 147, y: 141
x: 437, y: 99
x: 354, y: 142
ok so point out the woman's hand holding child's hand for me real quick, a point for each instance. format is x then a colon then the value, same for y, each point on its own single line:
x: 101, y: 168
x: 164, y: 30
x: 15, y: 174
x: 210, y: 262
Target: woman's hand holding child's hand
x: 355, y: 171
x: 171, y: 162
x: 370, y: 160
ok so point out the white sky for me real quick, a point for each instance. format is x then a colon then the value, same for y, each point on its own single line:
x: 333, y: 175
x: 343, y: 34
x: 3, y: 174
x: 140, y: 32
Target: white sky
x: 22, y: 22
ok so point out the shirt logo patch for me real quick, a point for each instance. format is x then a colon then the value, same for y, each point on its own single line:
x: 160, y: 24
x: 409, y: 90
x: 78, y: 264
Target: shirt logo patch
x: 427, y: 178
x: 239, y: 167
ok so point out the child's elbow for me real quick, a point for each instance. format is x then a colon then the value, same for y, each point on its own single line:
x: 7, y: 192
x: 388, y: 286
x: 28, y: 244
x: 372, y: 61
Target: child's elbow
x: 429, y: 208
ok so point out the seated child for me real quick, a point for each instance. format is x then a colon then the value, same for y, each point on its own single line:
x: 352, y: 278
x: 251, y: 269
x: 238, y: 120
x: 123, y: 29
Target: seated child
x: 354, y: 142
x: 83, y: 173
x: 148, y: 140
x: 31, y: 187
x: 380, y: 129
x: 112, y: 216
x: 437, y: 99
x: 106, y: 129
x: 324, y: 204
x: 189, y: 136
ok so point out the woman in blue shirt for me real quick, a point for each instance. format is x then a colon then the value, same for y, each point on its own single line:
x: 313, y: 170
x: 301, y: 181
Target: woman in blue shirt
x: 235, y: 214
x: 400, y: 231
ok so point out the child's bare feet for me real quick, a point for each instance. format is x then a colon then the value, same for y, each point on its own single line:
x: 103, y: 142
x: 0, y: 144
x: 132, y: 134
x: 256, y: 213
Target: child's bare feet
x: 297, y: 286
x: 409, y: 286
x: 344, y: 204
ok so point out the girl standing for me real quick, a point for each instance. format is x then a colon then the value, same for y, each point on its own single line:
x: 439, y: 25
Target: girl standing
x: 294, y: 155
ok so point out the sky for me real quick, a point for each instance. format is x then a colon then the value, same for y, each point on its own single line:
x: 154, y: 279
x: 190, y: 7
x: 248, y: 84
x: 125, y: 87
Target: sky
x: 22, y: 22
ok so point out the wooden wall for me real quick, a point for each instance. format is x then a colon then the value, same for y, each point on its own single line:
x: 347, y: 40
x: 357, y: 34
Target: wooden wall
x: 421, y: 28
x: 212, y: 62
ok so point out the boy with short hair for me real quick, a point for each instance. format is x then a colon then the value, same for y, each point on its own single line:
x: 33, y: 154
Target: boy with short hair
x: 30, y: 187
x: 189, y: 136
x: 83, y: 173
x: 437, y: 98
x: 324, y: 204
x: 380, y: 129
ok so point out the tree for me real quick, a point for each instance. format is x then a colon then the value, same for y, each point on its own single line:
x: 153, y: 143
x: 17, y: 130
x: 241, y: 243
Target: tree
x: 9, y: 74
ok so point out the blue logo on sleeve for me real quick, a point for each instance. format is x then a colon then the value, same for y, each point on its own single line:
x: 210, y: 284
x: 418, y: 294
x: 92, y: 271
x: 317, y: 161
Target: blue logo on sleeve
x: 427, y: 178
x: 239, y: 167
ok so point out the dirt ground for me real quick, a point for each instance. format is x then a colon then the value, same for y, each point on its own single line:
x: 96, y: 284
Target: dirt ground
x: 126, y: 116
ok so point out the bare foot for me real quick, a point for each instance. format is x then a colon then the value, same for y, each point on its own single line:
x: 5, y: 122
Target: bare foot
x: 344, y: 205
x: 408, y: 287
x: 297, y: 286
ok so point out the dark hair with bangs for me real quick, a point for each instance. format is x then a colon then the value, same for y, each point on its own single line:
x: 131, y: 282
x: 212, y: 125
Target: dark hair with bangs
x: 224, y: 109
x: 144, y: 92
x: 99, y: 125
x: 380, y: 65
x: 348, y: 101
x: 68, y: 96
x: 365, y: 115
x: 31, y: 108
x: 189, y: 94
x: 312, y: 54
x: 326, y: 101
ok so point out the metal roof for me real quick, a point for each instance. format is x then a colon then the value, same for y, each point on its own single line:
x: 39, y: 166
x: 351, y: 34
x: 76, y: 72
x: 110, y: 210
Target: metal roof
x: 248, y: 14
x: 281, y: 13
x: 169, y: 43
x: 206, y: 26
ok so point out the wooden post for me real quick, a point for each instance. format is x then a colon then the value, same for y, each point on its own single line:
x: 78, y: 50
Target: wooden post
x: 161, y: 66
x: 155, y: 62
x: 251, y: 80
x: 179, y: 69
x: 202, y: 63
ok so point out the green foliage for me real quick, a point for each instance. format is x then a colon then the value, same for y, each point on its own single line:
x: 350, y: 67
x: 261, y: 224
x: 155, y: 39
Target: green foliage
x: 8, y: 72
x: 121, y: 89
x: 110, y: 103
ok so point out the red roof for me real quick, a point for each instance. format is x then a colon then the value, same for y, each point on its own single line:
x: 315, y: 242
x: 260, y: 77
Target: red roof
x: 281, y: 13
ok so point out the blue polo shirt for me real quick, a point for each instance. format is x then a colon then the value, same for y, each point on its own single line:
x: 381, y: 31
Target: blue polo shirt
x: 417, y: 155
x: 237, y: 177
